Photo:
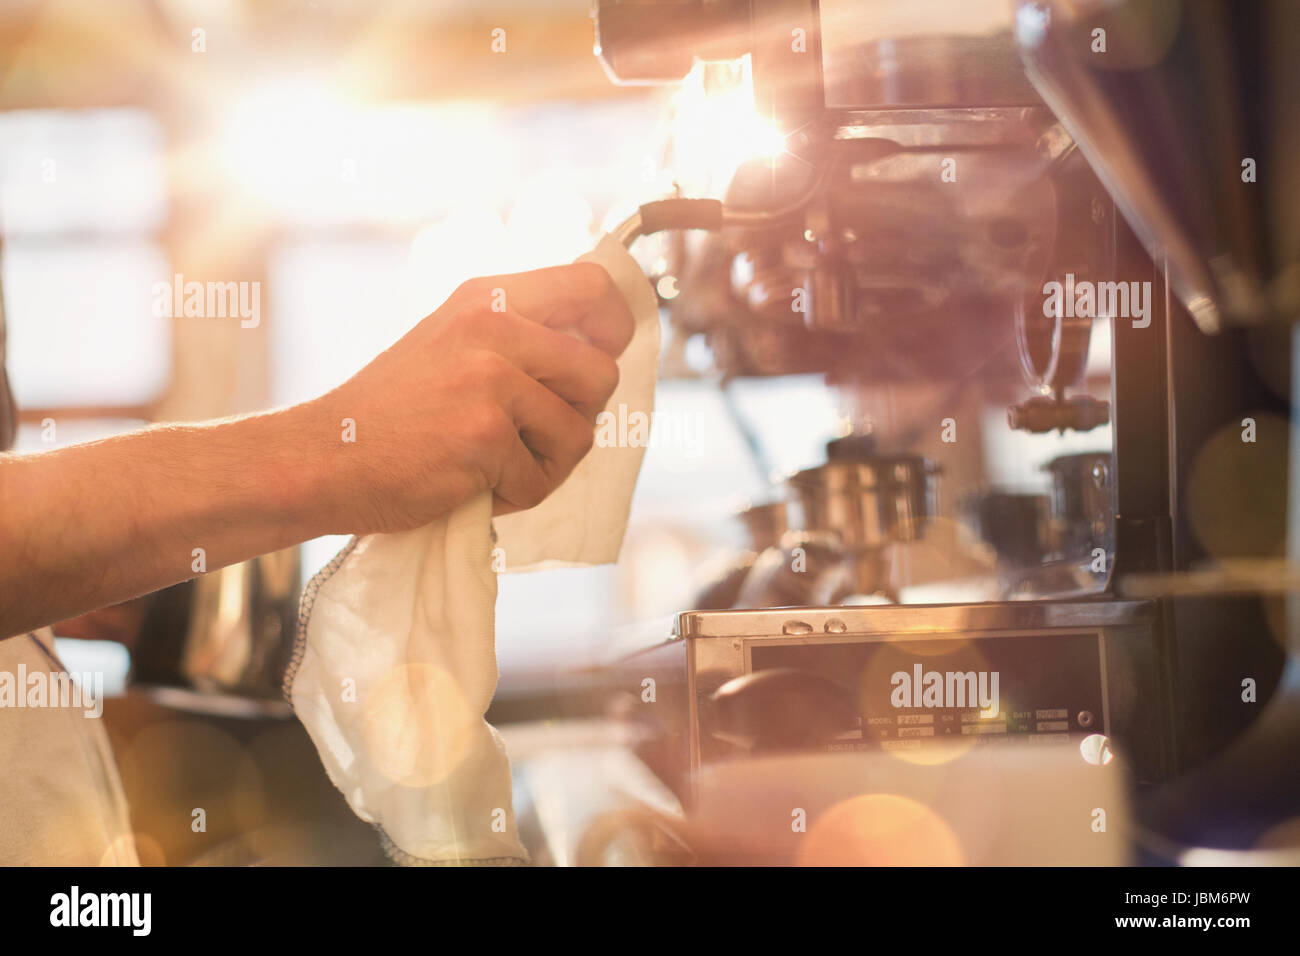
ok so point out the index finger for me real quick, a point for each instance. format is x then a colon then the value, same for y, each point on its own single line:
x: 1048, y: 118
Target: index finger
x: 580, y: 297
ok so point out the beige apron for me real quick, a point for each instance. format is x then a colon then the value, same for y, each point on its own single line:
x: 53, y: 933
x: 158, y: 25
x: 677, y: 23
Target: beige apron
x: 61, y: 800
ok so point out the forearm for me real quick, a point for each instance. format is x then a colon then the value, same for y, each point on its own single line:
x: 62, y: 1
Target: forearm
x: 95, y: 524
x: 471, y: 400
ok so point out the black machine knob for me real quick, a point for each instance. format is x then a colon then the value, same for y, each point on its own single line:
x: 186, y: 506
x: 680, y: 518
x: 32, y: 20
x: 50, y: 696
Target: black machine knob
x: 782, y: 709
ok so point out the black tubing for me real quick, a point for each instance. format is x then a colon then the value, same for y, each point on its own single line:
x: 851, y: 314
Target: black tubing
x: 681, y: 214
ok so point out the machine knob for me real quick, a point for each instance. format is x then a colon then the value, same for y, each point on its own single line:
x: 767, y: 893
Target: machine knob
x: 781, y: 709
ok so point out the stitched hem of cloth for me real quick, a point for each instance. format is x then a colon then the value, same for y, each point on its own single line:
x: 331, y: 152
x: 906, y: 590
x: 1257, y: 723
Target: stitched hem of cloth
x: 305, y: 605
x: 402, y: 858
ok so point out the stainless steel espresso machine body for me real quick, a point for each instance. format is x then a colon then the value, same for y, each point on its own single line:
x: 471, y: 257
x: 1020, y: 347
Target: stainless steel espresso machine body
x: 900, y: 678
x: 928, y: 204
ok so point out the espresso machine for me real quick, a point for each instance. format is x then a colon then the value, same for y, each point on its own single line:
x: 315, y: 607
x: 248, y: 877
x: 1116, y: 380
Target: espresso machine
x: 965, y: 205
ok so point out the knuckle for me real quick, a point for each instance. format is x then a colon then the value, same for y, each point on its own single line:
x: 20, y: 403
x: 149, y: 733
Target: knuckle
x: 491, y: 366
x: 607, y: 375
x: 468, y: 321
x: 577, y: 437
x: 488, y: 426
x: 585, y: 439
x: 475, y: 289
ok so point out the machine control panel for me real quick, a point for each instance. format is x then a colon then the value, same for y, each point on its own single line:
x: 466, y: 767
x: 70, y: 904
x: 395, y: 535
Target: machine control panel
x: 905, y: 693
x: 912, y: 677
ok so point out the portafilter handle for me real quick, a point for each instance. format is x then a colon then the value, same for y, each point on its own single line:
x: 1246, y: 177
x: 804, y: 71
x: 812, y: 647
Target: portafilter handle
x: 708, y: 214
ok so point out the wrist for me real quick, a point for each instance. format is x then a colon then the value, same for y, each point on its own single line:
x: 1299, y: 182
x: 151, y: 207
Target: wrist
x: 316, y: 494
x: 292, y: 469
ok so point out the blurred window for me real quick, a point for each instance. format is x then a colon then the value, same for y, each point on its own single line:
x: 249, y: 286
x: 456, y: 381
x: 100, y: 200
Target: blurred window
x: 82, y: 194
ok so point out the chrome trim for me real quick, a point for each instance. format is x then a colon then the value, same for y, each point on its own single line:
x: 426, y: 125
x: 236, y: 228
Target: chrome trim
x: 808, y: 622
x: 629, y: 230
x: 917, y: 128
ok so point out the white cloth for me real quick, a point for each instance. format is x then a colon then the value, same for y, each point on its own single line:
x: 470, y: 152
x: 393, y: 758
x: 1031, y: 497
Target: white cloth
x: 61, y: 801
x: 396, y: 659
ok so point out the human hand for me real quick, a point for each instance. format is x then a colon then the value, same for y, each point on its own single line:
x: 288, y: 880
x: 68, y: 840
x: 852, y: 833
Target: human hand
x: 490, y: 392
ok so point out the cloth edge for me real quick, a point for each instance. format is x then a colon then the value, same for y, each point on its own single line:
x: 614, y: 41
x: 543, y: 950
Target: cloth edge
x: 306, y: 603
